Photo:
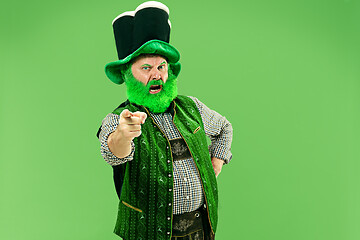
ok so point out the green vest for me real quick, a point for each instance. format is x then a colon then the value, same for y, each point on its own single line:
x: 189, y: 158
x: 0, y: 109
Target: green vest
x: 146, y: 200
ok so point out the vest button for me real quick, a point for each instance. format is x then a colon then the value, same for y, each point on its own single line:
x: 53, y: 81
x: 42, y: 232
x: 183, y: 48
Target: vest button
x: 169, y: 204
x: 168, y: 233
x: 170, y: 189
x: 168, y: 161
x: 169, y: 175
x: 168, y: 218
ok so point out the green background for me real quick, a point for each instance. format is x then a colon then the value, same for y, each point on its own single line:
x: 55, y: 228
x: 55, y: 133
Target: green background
x: 284, y: 73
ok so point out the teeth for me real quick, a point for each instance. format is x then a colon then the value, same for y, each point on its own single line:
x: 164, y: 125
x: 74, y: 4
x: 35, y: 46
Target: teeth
x: 155, y: 88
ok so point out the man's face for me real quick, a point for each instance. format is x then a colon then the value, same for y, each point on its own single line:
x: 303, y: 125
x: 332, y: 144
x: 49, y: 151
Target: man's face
x: 150, y: 83
x: 148, y: 68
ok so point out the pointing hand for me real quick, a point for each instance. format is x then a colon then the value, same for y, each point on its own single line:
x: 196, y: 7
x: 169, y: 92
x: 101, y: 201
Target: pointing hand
x: 130, y: 124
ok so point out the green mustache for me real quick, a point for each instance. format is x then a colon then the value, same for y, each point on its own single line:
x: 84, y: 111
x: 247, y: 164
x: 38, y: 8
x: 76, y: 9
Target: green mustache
x: 154, y: 82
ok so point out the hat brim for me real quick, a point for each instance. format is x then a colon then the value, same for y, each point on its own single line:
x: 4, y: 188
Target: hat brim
x: 113, y: 69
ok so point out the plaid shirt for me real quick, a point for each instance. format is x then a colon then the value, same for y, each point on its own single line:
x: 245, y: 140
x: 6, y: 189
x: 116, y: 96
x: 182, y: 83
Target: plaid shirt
x: 188, y: 193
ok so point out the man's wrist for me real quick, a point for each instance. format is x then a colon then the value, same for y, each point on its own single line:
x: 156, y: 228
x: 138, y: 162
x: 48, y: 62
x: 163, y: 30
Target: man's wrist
x: 217, y: 158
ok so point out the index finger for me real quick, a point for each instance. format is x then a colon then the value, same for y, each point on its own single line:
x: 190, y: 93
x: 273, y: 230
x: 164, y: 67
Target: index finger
x: 126, y: 113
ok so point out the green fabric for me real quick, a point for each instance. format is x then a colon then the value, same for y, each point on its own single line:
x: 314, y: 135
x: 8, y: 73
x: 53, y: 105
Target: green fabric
x: 145, y: 197
x: 113, y: 69
x: 139, y: 94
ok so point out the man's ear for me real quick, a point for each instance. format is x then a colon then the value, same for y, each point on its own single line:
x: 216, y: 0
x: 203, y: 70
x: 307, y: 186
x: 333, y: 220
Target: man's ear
x: 126, y: 71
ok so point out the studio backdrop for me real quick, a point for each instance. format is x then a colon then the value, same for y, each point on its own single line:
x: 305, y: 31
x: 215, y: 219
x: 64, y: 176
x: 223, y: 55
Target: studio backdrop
x: 284, y: 73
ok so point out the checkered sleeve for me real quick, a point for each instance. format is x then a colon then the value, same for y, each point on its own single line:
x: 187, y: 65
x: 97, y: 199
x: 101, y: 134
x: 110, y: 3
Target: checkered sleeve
x: 219, y: 130
x: 109, y: 124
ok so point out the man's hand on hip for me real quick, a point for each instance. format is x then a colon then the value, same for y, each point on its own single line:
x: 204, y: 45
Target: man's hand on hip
x: 217, y: 165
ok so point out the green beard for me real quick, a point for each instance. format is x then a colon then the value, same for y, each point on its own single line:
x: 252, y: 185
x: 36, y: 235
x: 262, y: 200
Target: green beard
x: 139, y: 94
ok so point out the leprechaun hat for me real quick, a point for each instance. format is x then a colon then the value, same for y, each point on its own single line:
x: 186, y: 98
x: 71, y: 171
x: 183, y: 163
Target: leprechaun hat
x: 143, y: 31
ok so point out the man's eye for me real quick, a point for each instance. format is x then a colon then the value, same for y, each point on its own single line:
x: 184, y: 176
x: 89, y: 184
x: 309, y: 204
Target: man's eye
x: 145, y: 68
x: 161, y: 67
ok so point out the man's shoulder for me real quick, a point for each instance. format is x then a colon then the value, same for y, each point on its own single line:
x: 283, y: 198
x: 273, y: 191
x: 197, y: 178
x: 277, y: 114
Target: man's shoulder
x: 183, y: 98
x: 188, y: 102
x: 192, y: 101
x: 121, y: 107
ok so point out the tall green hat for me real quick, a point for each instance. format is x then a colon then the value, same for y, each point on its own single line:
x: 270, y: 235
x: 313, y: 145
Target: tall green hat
x: 143, y: 31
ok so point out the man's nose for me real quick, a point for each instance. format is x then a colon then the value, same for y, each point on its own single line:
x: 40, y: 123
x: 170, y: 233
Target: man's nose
x: 156, y: 74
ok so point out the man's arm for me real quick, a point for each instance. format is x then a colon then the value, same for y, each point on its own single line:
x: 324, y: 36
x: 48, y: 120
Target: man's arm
x: 116, y: 135
x: 129, y: 127
x: 109, y: 125
x: 220, y: 132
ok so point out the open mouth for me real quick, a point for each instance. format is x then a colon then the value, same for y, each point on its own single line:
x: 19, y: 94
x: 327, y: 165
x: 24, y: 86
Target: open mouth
x: 155, y: 89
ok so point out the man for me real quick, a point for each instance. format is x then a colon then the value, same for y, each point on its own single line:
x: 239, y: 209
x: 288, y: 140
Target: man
x: 164, y: 171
